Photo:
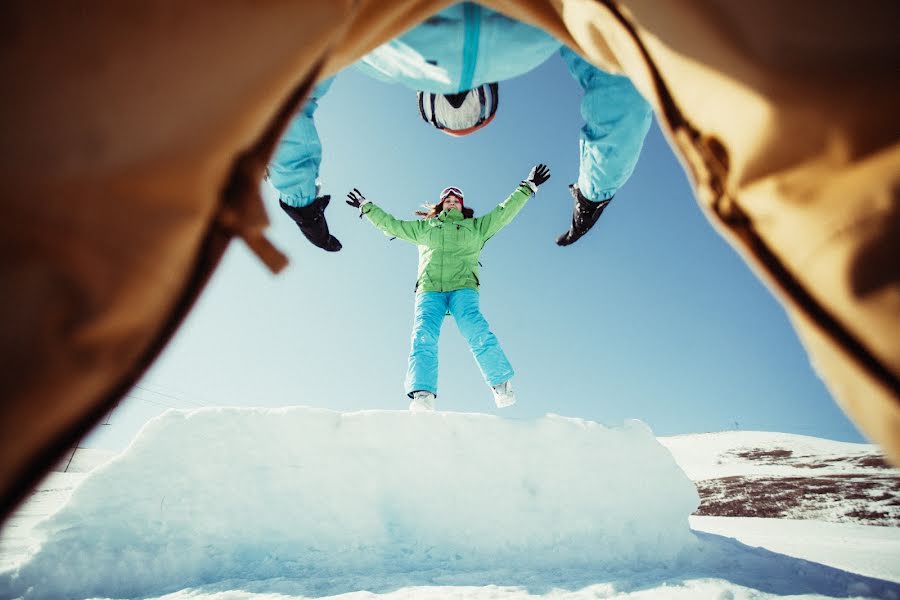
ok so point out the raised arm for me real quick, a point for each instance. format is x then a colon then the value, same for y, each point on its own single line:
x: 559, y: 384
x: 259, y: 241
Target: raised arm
x: 502, y: 214
x: 411, y: 231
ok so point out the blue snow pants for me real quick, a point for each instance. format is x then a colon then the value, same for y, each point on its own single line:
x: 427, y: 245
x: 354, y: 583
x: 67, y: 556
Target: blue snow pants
x: 431, y: 307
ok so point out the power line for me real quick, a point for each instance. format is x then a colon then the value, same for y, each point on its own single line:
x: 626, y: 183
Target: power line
x: 158, y: 403
x: 170, y: 396
x: 148, y: 401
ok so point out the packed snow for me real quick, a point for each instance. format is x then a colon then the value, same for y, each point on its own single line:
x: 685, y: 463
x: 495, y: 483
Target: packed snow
x: 269, y: 504
x: 217, y: 493
x: 872, y: 551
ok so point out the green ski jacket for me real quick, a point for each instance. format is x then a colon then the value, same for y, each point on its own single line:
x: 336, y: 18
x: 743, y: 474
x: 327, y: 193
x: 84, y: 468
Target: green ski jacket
x: 449, y: 245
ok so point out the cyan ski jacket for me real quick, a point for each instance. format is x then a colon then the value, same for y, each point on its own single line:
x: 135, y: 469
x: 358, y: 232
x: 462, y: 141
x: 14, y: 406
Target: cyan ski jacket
x: 449, y: 245
x: 464, y: 46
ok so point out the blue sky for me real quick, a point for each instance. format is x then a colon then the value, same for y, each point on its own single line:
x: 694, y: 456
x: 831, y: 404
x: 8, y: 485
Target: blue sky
x: 651, y: 316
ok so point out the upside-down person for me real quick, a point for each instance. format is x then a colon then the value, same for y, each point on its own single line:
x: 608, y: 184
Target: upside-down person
x: 454, y: 61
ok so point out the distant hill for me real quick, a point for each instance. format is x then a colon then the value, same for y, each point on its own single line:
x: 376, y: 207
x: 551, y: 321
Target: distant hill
x: 779, y: 475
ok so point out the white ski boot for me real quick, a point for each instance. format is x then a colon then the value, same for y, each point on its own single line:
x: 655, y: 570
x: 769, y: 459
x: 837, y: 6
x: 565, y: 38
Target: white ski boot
x: 503, y: 394
x: 423, y: 401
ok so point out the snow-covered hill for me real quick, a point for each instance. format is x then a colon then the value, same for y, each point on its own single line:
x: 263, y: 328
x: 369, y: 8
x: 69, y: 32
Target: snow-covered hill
x: 268, y: 504
x: 779, y: 475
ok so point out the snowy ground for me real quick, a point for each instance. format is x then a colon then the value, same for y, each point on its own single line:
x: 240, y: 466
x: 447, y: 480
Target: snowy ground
x: 729, y: 453
x: 760, y: 474
x: 298, y: 503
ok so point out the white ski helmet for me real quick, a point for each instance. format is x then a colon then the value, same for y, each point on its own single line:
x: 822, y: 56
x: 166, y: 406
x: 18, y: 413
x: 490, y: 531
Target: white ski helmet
x: 462, y: 113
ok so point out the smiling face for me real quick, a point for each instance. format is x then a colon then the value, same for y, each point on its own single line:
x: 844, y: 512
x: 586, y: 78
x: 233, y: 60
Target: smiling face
x: 452, y: 201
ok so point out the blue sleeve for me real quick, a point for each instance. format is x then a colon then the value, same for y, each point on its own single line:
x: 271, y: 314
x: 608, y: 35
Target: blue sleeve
x: 617, y: 119
x: 294, y: 167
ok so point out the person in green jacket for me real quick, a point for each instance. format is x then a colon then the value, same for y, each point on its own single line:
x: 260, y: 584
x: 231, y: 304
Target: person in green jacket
x: 450, y: 239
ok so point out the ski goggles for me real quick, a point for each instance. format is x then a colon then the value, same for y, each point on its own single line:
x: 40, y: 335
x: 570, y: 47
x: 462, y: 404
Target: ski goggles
x: 455, y: 191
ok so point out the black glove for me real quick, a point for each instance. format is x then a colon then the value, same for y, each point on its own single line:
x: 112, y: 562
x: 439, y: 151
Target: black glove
x: 539, y: 174
x: 584, y: 215
x: 357, y: 200
x: 311, y: 221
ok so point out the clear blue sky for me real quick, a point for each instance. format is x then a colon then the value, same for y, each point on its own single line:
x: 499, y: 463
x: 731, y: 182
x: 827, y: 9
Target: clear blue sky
x: 651, y: 316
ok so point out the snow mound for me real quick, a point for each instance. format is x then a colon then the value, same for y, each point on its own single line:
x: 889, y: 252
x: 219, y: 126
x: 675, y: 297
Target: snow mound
x: 214, y: 494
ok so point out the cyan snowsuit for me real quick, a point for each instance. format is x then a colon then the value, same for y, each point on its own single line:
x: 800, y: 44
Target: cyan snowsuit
x: 449, y: 248
x: 464, y: 46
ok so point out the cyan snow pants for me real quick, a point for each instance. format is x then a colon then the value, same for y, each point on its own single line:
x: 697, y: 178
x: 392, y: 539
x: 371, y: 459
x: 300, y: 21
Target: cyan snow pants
x: 431, y: 307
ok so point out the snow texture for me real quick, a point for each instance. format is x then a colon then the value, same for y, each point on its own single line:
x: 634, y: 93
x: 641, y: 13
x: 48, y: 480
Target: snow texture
x: 253, y: 494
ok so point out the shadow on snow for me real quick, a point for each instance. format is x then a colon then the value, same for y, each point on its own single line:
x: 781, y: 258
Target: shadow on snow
x: 714, y: 557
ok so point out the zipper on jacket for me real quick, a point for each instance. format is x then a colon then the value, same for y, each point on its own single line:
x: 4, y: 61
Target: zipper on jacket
x: 715, y: 158
x: 443, y: 245
x: 472, y: 26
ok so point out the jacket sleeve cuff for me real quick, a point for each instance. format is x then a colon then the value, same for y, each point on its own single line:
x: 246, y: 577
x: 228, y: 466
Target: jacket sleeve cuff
x: 531, y: 185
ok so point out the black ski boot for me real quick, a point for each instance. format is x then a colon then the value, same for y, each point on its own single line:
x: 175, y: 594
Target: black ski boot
x: 584, y: 215
x: 311, y: 221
